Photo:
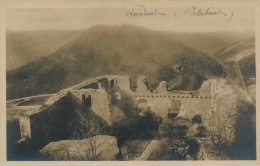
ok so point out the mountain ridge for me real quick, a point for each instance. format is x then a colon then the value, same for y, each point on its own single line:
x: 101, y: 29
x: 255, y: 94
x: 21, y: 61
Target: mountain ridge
x: 125, y: 50
x: 26, y: 46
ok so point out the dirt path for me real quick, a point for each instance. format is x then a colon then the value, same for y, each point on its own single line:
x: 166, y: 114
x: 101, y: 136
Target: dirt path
x: 148, y: 150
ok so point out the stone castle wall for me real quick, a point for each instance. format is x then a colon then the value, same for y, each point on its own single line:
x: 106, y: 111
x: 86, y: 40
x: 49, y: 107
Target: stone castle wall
x: 190, y: 106
x: 25, y: 126
x: 161, y: 101
x: 124, y: 83
x: 215, y: 99
x: 100, y: 101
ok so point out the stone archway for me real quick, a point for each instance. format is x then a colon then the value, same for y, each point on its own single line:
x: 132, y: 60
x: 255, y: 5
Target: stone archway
x: 174, y: 109
x: 142, y: 105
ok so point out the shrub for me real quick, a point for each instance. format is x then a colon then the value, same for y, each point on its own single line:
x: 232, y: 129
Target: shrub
x: 201, y: 131
x: 244, y: 148
x: 196, y: 119
x: 176, y: 128
x: 175, y: 149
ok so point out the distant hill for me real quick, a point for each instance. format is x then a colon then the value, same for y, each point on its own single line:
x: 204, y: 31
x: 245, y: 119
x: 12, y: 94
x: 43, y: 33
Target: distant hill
x: 230, y: 36
x: 242, y: 53
x: 126, y: 50
x: 204, y: 42
x: 236, y: 50
x: 239, y: 60
x: 210, y: 42
x: 25, y: 46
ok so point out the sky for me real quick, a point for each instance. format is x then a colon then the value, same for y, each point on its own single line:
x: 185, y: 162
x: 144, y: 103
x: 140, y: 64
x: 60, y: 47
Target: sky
x: 184, y: 19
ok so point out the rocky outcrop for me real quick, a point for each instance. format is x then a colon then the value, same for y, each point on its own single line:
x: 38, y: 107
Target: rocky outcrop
x: 100, y: 147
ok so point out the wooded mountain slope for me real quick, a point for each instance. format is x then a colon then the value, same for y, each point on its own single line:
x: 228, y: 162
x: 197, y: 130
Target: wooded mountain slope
x: 127, y: 50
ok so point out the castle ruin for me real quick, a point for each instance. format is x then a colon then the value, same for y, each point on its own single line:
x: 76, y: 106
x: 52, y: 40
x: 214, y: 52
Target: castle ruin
x: 95, y: 94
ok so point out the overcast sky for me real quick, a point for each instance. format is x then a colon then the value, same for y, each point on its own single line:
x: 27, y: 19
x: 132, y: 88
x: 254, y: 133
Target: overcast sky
x: 174, y: 19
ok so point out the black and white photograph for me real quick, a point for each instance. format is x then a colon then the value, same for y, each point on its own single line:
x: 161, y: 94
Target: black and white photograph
x: 140, y: 81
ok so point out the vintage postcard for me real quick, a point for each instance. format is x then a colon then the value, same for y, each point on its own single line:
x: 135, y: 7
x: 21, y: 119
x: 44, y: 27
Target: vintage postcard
x: 132, y: 83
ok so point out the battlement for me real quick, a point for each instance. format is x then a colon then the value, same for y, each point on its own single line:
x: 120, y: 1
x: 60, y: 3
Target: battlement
x: 160, y: 99
x: 169, y: 96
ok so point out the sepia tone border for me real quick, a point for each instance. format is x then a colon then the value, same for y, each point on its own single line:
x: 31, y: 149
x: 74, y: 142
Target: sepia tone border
x: 4, y: 4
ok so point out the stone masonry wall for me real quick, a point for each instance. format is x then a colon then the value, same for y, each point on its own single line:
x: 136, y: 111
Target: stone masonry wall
x: 25, y: 126
x: 124, y: 83
x: 100, y: 101
x: 190, y: 106
x: 159, y: 101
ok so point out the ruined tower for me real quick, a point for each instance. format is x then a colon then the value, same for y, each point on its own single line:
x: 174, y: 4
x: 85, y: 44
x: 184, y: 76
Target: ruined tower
x: 142, y: 85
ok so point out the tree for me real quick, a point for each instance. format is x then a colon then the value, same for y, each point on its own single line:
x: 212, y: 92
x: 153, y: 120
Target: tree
x: 197, y: 119
x: 218, y: 132
x: 176, y: 128
x: 231, y: 131
x: 244, y: 147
